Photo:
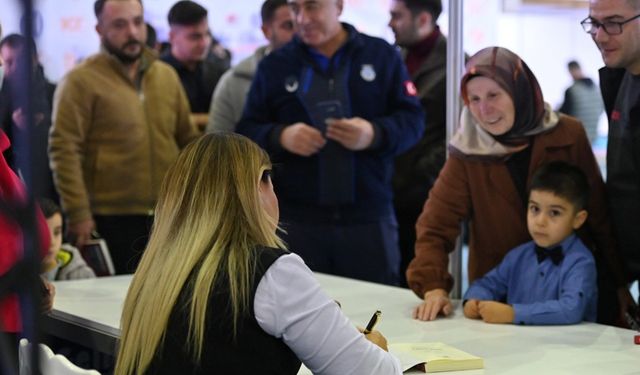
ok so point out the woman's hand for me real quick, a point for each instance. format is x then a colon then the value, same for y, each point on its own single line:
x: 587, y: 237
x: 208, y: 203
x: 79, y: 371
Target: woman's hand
x: 376, y: 338
x: 436, y: 302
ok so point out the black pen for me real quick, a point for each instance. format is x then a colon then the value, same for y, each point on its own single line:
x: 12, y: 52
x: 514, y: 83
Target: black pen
x: 372, y: 323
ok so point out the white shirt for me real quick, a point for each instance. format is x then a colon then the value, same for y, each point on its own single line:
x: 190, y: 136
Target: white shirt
x: 290, y: 304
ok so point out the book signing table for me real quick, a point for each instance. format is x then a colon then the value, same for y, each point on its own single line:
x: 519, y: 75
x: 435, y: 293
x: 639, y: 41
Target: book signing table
x: 88, y: 313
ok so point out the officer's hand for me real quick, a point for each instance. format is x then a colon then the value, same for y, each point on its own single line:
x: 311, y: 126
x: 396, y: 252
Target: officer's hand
x: 302, y: 139
x: 353, y: 133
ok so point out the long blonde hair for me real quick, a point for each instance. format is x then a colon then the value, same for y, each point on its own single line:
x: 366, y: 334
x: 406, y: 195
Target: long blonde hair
x: 208, y: 223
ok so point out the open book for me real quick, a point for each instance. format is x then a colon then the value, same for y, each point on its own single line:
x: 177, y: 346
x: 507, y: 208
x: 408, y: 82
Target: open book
x: 434, y: 357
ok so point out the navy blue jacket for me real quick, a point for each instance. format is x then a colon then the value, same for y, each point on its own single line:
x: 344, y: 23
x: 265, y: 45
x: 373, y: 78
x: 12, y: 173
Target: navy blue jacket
x: 378, y: 89
x: 623, y: 164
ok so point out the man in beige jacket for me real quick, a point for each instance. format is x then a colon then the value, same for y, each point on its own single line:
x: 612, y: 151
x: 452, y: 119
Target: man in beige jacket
x: 120, y: 119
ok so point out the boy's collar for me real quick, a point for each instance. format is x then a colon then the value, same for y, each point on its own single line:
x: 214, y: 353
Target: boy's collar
x: 565, y: 244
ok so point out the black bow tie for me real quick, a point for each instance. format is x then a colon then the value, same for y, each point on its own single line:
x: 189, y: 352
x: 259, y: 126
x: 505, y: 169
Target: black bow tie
x: 554, y: 253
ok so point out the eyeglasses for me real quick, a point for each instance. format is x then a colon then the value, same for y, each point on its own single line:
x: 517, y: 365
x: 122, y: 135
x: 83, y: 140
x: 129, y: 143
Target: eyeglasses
x: 591, y: 26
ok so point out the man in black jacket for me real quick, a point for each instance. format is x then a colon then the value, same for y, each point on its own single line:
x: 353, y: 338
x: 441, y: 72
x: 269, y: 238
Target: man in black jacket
x: 190, y: 39
x: 614, y: 26
x: 424, y: 50
x: 13, y: 119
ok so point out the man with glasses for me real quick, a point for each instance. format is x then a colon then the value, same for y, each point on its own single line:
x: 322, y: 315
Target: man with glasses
x: 614, y: 26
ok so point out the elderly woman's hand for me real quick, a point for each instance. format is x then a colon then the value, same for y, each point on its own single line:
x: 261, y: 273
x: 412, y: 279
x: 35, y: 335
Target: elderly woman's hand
x: 436, y: 302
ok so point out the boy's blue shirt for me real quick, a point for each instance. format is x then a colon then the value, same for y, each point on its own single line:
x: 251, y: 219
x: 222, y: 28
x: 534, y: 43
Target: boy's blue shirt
x: 543, y: 293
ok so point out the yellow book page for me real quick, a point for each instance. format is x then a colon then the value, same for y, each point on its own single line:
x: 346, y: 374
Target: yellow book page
x: 434, y: 357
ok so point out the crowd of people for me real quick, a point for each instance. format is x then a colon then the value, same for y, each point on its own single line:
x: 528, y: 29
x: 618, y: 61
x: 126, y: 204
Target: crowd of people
x: 349, y: 132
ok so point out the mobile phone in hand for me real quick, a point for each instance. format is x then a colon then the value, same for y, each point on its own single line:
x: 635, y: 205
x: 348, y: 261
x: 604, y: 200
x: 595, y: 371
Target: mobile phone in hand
x: 324, y: 111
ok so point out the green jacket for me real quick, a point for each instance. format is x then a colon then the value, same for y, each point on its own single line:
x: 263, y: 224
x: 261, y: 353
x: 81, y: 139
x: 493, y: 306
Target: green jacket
x: 112, y: 140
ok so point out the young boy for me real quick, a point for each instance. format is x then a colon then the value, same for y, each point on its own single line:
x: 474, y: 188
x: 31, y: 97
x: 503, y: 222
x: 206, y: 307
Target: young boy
x: 552, y: 279
x: 63, y: 261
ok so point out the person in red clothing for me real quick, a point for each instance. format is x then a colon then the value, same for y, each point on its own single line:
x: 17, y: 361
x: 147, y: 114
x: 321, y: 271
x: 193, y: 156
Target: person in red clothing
x: 12, y: 190
x: 11, y: 240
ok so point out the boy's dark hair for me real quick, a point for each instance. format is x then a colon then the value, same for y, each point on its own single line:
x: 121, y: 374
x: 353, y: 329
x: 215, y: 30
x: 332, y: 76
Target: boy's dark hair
x: 49, y: 207
x: 564, y: 180
x: 433, y: 7
x: 186, y: 13
x: 269, y: 8
x: 98, y: 6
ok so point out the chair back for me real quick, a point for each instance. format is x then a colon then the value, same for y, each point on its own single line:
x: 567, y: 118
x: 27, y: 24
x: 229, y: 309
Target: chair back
x: 96, y: 253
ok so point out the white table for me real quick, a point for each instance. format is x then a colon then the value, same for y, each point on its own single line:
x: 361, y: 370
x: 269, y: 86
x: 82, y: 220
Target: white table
x: 89, y: 310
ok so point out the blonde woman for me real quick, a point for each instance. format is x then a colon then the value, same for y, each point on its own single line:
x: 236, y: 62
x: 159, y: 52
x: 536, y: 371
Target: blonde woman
x: 216, y: 292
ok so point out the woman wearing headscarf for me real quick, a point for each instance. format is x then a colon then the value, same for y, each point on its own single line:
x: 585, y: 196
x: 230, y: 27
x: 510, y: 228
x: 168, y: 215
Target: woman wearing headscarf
x: 507, y: 131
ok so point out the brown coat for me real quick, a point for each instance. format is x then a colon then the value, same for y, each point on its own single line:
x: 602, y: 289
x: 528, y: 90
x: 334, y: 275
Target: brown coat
x: 484, y: 193
x: 112, y: 142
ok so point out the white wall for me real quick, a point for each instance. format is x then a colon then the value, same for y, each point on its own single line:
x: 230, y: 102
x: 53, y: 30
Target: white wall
x: 547, y: 43
x: 67, y: 33
x: 546, y: 40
